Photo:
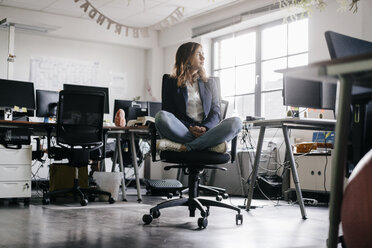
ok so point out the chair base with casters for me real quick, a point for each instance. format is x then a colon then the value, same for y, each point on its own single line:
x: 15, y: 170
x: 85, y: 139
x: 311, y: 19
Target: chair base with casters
x: 220, y: 193
x: 194, y: 162
x: 83, y: 193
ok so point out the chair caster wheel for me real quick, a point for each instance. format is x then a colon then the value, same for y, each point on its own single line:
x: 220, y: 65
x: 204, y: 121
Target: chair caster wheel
x: 202, y: 222
x: 225, y: 195
x: 111, y: 200
x: 156, y: 214
x: 147, y: 218
x: 84, y: 202
x: 218, y: 198
x: 169, y: 195
x: 206, y: 214
x: 239, y: 217
x: 45, y: 201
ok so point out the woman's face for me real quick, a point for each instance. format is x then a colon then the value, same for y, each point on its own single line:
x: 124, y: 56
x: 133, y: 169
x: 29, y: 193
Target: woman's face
x: 197, y: 59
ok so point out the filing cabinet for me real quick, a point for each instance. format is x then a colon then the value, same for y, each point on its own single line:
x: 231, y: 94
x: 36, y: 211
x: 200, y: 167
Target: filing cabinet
x: 15, y: 172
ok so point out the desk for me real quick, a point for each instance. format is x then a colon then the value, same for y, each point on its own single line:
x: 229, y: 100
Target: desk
x: 132, y: 131
x: 285, y: 124
x: 41, y: 128
x: 348, y: 71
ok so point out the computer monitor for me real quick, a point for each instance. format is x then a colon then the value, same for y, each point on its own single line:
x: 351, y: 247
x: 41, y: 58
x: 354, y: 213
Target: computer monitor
x: 132, y: 109
x: 46, y: 103
x: 105, y: 90
x: 17, y: 94
x: 301, y: 93
x: 154, y: 108
x: 308, y: 94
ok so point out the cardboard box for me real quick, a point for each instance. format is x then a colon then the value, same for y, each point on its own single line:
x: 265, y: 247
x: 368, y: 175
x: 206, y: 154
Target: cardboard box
x: 61, y: 176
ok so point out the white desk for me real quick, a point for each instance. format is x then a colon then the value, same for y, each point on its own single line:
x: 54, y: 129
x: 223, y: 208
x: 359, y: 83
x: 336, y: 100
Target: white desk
x: 285, y: 124
x: 354, y: 70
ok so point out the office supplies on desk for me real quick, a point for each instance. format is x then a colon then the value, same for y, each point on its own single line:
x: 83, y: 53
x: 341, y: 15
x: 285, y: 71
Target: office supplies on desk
x: 132, y: 109
x: 141, y: 121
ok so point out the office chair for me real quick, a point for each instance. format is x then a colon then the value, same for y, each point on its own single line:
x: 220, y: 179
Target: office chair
x: 341, y: 46
x: 220, y: 193
x: 79, y: 135
x: 192, y: 164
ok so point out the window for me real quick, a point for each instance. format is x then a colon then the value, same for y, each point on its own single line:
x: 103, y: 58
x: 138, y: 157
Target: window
x: 246, y: 62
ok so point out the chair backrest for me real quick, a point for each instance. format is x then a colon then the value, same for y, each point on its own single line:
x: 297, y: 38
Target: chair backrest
x: 224, y: 106
x: 340, y: 45
x: 80, y: 118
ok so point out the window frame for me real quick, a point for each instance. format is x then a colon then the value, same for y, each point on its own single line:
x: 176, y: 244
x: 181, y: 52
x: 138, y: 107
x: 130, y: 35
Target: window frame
x: 258, y: 91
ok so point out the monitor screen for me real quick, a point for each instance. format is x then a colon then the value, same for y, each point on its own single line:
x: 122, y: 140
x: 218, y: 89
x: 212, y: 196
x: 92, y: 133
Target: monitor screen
x: 154, y: 107
x: 76, y: 87
x: 329, y: 91
x: 46, y: 103
x: 132, y: 109
x: 17, y: 93
x: 302, y: 93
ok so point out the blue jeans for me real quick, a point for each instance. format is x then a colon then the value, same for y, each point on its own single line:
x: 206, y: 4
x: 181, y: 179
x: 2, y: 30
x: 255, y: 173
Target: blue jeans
x: 171, y: 128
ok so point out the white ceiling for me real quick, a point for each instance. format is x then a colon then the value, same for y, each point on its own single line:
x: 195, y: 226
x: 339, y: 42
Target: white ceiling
x: 136, y: 13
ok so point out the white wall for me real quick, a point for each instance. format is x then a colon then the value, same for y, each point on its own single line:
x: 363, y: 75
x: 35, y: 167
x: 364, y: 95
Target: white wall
x: 348, y: 23
x: 111, y: 58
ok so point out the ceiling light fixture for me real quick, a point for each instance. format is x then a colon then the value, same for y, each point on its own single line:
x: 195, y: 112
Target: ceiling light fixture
x: 27, y: 26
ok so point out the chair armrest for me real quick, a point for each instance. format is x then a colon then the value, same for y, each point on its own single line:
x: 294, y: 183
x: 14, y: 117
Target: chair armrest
x: 233, y: 148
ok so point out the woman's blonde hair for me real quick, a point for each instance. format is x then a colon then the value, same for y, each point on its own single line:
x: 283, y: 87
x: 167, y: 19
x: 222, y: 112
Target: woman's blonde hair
x: 182, y: 67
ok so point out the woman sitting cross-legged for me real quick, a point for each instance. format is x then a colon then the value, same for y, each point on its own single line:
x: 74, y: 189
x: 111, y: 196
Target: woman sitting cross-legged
x: 190, y: 119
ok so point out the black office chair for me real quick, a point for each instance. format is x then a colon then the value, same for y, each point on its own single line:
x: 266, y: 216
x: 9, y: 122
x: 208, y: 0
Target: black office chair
x: 192, y: 164
x: 79, y: 135
x: 219, y: 193
x: 340, y: 46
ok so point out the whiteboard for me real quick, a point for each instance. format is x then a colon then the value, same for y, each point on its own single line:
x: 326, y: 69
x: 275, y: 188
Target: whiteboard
x: 50, y: 73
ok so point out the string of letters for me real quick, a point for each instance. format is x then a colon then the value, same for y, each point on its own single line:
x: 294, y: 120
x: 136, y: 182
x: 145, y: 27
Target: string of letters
x: 119, y: 28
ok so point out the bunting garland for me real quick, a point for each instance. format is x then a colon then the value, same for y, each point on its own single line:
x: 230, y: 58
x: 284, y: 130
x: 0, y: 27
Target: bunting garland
x: 119, y: 28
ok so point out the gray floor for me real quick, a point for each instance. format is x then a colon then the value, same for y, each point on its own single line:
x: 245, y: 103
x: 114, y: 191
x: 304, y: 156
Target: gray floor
x: 120, y: 225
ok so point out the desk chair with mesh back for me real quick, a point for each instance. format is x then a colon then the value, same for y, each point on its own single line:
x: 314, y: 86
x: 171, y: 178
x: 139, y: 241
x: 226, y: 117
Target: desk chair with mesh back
x: 192, y: 164
x: 79, y: 135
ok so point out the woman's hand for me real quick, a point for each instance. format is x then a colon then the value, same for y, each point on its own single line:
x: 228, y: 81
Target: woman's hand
x: 197, y: 131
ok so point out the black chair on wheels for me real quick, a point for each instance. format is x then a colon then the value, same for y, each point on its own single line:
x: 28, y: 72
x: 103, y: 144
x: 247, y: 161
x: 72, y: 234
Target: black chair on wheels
x: 192, y: 163
x: 79, y: 138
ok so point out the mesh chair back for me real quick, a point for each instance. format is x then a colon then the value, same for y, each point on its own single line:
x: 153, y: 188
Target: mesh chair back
x: 80, y: 118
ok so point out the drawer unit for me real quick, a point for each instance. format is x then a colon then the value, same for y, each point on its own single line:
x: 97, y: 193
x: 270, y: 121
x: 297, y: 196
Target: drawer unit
x: 15, y: 172
x: 15, y: 189
x: 15, y: 156
x: 314, y: 172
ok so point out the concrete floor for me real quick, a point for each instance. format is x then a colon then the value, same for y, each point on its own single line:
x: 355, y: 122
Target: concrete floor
x: 120, y: 225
